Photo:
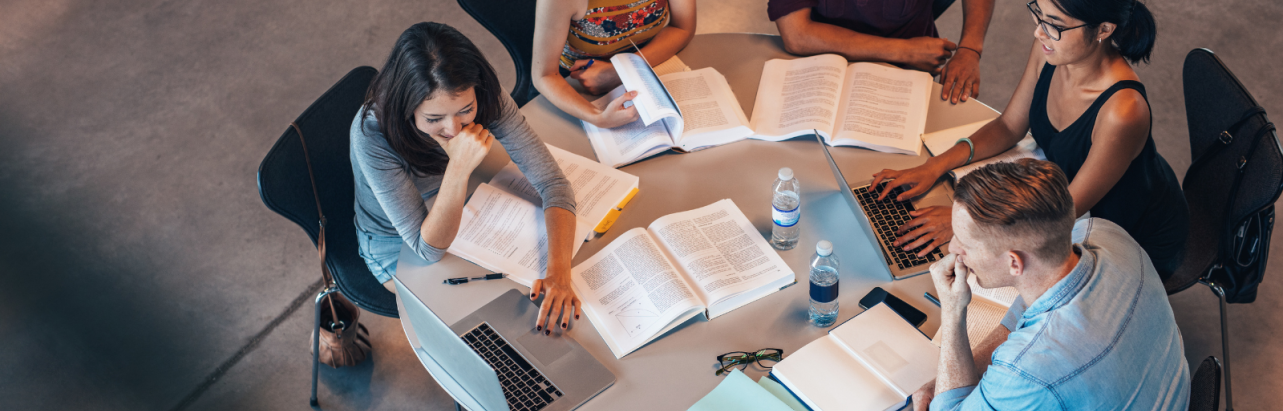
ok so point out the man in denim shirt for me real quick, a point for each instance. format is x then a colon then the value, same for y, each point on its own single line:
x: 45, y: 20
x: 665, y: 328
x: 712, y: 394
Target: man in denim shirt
x: 1099, y: 333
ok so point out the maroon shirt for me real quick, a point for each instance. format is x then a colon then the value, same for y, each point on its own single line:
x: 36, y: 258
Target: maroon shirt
x: 884, y: 18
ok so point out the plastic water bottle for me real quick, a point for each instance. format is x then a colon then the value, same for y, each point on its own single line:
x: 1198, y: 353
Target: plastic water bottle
x: 824, y: 285
x: 786, y: 211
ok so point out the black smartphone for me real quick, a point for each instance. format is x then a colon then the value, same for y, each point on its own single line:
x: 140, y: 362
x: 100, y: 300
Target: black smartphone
x: 906, y: 311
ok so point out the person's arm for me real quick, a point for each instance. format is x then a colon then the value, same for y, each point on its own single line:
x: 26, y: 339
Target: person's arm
x: 560, y: 301
x: 601, y: 77
x: 957, y: 367
x: 982, y: 355
x: 427, y: 234
x: 961, y: 75
x: 994, y: 138
x: 1120, y: 133
x: 803, y: 36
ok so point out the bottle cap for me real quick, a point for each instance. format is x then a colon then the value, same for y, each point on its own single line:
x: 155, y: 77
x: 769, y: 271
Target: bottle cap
x: 786, y: 173
x: 824, y: 248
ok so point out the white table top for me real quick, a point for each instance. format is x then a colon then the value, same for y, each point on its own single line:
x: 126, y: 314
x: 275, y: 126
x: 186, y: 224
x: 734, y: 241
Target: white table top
x: 676, y: 370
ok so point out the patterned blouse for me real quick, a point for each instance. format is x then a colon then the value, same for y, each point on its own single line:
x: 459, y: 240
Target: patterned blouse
x: 608, y: 26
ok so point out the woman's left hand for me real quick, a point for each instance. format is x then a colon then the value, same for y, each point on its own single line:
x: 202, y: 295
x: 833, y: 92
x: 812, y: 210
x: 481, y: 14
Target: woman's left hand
x: 559, y: 304
x: 598, y: 79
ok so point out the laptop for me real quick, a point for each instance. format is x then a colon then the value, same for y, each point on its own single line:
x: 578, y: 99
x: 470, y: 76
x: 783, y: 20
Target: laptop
x: 494, y: 360
x: 879, y: 220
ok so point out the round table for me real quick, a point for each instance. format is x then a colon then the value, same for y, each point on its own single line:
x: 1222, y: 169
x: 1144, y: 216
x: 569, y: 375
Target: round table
x: 676, y: 370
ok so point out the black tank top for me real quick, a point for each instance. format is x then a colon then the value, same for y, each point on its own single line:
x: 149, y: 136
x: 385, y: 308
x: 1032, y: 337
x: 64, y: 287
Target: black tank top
x: 1147, y: 201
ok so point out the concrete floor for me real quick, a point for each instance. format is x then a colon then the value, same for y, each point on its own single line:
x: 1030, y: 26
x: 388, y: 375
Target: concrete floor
x: 137, y: 258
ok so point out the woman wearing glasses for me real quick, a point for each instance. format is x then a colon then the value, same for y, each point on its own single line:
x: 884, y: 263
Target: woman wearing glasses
x: 1087, y: 110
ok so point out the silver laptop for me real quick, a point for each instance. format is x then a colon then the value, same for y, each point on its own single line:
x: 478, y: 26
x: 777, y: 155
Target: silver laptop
x: 879, y: 220
x: 494, y: 360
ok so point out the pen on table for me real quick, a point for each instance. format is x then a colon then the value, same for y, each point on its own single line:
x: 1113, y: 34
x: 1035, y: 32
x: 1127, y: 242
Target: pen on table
x: 461, y: 280
x: 931, y: 298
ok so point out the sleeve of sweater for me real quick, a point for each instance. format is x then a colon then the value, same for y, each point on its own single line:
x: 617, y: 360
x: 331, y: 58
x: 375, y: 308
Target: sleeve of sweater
x: 532, y: 156
x: 392, y: 186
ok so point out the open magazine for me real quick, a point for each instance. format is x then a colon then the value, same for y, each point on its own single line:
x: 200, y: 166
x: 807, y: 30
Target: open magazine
x: 985, y: 312
x: 708, y: 261
x: 681, y: 110
x: 872, y: 362
x: 502, y: 228
x: 868, y: 105
x: 939, y: 142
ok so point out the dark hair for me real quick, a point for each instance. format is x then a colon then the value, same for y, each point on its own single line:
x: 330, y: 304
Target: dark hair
x: 1027, y: 198
x: 428, y: 58
x: 1134, y: 37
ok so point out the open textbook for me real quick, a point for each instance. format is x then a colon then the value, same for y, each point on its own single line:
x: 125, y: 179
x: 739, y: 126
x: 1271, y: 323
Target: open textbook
x: 985, y: 312
x: 681, y: 110
x: 868, y: 105
x: 872, y: 362
x: 707, y: 261
x: 939, y: 142
x: 502, y: 228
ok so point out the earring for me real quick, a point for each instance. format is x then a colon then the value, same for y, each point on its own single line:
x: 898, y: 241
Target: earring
x: 1100, y: 40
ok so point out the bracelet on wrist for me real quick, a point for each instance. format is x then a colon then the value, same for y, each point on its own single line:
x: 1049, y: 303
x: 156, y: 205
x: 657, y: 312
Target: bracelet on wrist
x: 978, y: 54
x: 971, y: 147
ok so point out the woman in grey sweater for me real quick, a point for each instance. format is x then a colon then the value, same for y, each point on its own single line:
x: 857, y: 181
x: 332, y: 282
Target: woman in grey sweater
x: 428, y: 121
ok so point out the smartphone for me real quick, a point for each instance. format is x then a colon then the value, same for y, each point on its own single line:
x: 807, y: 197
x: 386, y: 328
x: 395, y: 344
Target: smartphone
x: 906, y: 311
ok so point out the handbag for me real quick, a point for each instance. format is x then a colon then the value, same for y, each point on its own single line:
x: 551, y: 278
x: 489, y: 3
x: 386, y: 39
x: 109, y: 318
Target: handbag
x: 344, y: 341
x: 1244, y: 247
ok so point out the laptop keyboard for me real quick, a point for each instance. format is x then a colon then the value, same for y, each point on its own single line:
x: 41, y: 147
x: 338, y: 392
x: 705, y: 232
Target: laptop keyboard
x: 887, y: 216
x: 523, y: 385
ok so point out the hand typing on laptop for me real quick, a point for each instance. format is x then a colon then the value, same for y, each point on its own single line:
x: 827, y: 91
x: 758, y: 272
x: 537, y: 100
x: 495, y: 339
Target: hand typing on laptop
x: 931, y: 227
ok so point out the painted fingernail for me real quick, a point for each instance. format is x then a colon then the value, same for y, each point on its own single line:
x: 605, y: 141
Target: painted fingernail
x: 538, y: 328
x: 547, y: 332
x: 576, y: 316
x: 565, y: 325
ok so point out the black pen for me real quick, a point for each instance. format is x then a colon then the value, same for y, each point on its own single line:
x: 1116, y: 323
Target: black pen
x: 461, y: 280
x: 931, y: 298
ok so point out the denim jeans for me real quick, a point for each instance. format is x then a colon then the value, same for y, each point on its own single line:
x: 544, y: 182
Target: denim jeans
x: 380, y: 253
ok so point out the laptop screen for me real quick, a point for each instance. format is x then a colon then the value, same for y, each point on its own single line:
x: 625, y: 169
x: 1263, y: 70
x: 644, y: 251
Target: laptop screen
x: 459, y: 370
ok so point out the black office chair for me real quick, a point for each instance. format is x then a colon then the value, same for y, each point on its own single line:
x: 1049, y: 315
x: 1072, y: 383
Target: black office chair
x: 285, y: 188
x: 1205, y: 386
x: 513, y: 22
x: 1231, y: 139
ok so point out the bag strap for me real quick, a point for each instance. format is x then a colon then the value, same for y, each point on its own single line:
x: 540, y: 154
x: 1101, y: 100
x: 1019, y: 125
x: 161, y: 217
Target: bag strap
x: 1226, y: 137
x: 1226, y: 248
x: 335, y: 324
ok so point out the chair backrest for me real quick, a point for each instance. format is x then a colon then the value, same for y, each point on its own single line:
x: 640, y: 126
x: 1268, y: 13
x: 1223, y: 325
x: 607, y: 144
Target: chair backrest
x: 285, y: 188
x: 1214, y: 102
x: 513, y: 22
x: 1205, y: 386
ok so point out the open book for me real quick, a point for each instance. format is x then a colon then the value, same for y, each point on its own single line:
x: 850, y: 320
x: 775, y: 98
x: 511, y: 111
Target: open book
x: 502, y: 228
x: 872, y: 362
x: 683, y: 110
x: 868, y: 105
x: 985, y: 312
x: 939, y: 142
x: 708, y: 261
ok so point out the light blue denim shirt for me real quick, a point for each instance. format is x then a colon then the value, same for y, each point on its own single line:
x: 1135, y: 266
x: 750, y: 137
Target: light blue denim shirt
x: 1102, y: 338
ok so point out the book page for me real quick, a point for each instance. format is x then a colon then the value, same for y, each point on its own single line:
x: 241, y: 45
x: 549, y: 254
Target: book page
x: 673, y: 65
x: 653, y: 101
x: 940, y: 141
x: 720, y: 251
x: 884, y: 108
x: 597, y: 188
x: 632, y: 293
x: 712, y: 116
x: 796, y: 96
x: 628, y: 143
x: 504, y: 233
x: 826, y: 377
x: 885, y: 343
